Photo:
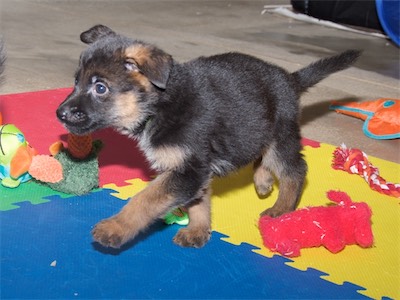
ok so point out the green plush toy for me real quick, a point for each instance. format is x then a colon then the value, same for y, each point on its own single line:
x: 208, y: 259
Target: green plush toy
x: 79, y: 163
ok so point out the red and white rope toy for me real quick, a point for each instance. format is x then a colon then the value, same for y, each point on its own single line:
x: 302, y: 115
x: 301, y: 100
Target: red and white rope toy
x: 354, y: 161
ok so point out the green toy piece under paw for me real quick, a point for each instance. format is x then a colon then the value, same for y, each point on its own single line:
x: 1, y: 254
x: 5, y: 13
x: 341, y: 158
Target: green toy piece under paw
x: 177, y: 216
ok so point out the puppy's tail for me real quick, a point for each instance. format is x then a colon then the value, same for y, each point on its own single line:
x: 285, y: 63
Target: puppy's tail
x: 315, y: 72
x: 2, y: 60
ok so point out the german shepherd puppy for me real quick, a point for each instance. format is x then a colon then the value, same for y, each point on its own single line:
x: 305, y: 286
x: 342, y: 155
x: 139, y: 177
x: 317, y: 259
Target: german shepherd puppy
x: 194, y: 120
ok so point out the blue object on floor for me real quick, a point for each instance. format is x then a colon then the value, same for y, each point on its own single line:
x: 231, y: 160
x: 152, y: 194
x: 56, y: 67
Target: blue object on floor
x: 389, y: 16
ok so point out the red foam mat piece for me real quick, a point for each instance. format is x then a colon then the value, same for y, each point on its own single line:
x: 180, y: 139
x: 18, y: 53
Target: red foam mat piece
x: 34, y: 114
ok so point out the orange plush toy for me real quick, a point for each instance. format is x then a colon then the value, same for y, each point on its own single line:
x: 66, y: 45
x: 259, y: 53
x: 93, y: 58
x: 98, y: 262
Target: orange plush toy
x: 382, y: 116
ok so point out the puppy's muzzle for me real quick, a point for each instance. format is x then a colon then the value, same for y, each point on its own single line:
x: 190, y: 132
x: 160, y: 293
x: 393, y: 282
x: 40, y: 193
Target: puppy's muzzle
x: 71, y: 115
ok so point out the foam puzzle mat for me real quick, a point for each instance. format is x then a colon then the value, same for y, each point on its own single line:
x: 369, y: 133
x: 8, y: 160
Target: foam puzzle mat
x: 47, y: 252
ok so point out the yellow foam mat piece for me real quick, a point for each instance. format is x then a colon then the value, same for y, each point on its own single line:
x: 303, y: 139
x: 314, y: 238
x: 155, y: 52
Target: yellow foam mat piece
x: 125, y: 192
x: 236, y: 208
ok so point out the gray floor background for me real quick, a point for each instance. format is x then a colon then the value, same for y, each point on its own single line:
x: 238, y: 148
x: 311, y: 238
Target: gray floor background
x: 42, y: 40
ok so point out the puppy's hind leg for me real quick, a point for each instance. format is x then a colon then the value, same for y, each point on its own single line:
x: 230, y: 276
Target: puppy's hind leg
x: 263, y: 178
x: 290, y: 169
x: 198, y: 232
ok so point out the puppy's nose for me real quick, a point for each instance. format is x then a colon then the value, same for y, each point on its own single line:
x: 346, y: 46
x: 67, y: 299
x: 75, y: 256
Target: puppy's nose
x: 62, y: 114
x: 71, y: 114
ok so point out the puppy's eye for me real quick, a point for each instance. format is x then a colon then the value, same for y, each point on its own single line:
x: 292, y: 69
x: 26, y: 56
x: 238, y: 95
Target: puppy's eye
x: 100, y: 88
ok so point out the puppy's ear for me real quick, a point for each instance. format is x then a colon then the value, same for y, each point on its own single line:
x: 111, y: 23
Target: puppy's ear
x: 152, y: 62
x: 95, y: 33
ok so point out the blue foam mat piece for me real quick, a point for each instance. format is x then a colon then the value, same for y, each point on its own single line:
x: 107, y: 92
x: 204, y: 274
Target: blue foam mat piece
x: 35, y: 236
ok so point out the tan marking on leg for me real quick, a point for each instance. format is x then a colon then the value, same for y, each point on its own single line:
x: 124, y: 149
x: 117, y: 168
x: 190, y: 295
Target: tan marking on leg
x: 271, y: 161
x: 289, y: 191
x: 140, y: 212
x: 263, y: 179
x: 198, y: 232
x: 290, y: 185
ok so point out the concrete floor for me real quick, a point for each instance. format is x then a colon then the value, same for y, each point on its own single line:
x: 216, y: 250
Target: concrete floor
x: 42, y: 39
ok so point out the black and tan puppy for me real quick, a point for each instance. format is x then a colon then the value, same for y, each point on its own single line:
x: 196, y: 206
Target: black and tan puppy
x: 193, y: 121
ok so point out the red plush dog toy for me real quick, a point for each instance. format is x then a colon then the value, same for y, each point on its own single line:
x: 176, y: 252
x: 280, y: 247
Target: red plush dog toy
x: 333, y: 227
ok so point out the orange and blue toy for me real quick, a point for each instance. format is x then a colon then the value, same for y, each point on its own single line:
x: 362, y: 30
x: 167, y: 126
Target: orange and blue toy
x: 19, y: 161
x: 382, y: 116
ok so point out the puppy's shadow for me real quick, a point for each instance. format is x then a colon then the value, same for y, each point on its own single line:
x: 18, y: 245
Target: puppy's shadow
x: 234, y: 181
x: 157, y: 227
x: 317, y: 110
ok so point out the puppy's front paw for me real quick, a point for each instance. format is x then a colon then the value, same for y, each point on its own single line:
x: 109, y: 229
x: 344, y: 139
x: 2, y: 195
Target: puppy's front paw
x: 192, y: 237
x: 110, y: 233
